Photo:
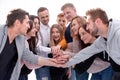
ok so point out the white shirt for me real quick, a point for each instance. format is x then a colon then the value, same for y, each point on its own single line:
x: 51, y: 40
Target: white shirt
x: 45, y: 31
x: 43, y: 41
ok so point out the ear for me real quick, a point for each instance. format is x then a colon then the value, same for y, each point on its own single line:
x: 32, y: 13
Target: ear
x: 17, y: 22
x: 98, y: 21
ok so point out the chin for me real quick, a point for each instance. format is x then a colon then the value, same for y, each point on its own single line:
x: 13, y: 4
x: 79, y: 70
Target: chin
x: 25, y: 33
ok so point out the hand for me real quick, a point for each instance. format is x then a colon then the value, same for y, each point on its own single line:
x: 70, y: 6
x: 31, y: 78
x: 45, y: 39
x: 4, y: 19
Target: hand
x: 69, y: 72
x: 55, y: 49
x: 59, y: 53
x: 57, y: 64
x: 62, y: 59
x: 53, y: 60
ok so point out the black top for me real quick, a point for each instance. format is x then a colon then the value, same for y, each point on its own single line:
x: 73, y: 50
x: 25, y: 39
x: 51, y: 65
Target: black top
x: 8, y: 59
x: 84, y: 66
x: 25, y: 70
x: 68, y: 37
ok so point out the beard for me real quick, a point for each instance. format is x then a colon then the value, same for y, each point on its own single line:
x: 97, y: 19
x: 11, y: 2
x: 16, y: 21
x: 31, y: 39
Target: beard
x: 95, y: 30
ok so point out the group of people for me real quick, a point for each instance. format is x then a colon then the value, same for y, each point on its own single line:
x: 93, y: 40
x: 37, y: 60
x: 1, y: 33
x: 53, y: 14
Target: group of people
x: 89, y: 44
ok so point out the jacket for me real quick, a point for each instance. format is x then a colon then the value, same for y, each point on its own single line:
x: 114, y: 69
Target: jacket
x: 23, y: 53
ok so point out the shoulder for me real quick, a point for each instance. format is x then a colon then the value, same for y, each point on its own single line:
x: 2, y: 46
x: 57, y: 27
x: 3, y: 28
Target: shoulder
x: 2, y: 27
x: 3, y: 30
x: 21, y: 38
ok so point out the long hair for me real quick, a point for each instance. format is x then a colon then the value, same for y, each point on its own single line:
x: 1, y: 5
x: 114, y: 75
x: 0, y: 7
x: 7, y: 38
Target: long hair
x: 52, y: 42
x: 32, y: 17
x: 81, y: 21
x: 32, y: 41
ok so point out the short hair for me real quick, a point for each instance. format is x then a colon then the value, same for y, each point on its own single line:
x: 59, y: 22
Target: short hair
x: 14, y: 15
x: 41, y: 9
x: 98, y: 13
x: 70, y: 5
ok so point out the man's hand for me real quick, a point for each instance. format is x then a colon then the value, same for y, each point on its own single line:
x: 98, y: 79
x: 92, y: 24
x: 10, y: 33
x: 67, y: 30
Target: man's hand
x: 57, y: 64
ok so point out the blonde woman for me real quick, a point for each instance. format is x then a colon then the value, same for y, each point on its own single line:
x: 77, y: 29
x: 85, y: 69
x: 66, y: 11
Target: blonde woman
x: 78, y: 44
x: 56, y: 36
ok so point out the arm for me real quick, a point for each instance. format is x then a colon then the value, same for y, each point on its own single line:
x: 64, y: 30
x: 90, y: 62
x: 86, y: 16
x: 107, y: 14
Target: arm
x: 62, y: 44
x: 84, y: 54
x: 47, y: 62
x: 35, y: 61
x: 40, y: 48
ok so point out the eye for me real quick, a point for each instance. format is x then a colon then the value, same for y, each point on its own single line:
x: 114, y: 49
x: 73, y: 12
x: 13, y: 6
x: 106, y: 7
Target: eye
x: 59, y: 20
x: 83, y: 33
x: 63, y: 21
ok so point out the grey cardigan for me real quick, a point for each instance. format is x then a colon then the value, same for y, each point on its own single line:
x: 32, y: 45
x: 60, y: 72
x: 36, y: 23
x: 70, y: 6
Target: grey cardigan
x: 23, y: 52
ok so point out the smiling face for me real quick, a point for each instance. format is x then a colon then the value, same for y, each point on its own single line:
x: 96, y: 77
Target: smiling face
x: 32, y: 32
x: 36, y: 23
x: 75, y: 27
x: 55, y: 34
x: 92, y: 27
x: 69, y: 13
x: 44, y: 17
x: 85, y: 36
x: 62, y: 21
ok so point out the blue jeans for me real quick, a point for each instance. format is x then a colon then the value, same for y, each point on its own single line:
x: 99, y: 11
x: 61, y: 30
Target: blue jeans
x: 103, y: 75
x: 42, y: 73
x: 83, y: 76
x: 73, y: 75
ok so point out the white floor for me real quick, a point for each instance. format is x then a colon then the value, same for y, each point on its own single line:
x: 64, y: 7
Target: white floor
x: 32, y: 76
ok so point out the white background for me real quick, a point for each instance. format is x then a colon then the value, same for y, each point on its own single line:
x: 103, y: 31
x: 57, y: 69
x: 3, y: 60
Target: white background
x: 54, y: 6
x: 110, y: 6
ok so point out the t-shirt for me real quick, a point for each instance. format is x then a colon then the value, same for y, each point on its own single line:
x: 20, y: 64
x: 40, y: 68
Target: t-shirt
x: 8, y: 59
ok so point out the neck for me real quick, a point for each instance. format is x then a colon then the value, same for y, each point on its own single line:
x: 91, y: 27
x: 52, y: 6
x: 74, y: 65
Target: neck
x: 92, y: 40
x: 11, y: 34
x: 104, y: 31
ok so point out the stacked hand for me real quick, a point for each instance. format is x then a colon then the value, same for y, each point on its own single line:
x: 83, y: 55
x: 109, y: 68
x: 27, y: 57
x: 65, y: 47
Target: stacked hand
x: 60, y: 57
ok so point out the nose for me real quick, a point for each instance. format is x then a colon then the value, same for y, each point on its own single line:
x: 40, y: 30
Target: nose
x: 87, y: 27
x: 28, y: 26
x: 72, y: 28
x: 46, y: 18
x: 54, y: 34
x: 61, y: 22
x: 36, y: 30
x: 81, y: 37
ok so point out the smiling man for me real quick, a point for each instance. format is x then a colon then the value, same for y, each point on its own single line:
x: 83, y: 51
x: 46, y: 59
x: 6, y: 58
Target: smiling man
x: 13, y: 51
